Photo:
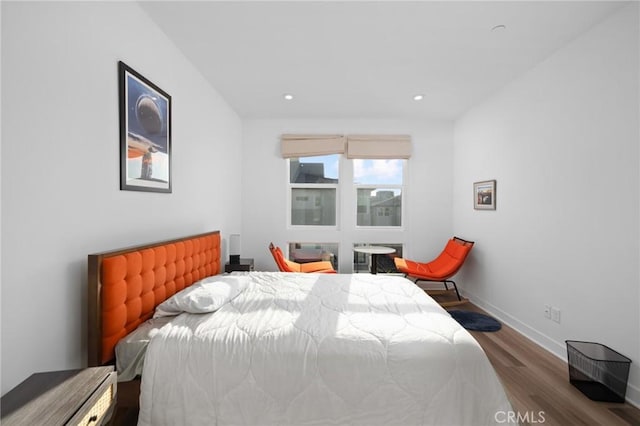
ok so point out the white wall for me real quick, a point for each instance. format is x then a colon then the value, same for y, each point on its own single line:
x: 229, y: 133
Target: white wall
x: 562, y: 142
x: 60, y: 166
x: 427, y: 195
x: 0, y: 202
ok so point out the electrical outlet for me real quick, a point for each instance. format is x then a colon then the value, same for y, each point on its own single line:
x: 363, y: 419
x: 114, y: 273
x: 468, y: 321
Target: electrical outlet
x: 547, y: 311
x: 555, y: 314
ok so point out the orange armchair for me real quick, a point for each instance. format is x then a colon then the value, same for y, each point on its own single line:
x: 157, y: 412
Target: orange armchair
x: 440, y: 269
x: 286, y: 265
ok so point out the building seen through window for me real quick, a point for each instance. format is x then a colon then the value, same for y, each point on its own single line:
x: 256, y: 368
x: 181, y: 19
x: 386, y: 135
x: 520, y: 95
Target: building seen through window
x: 379, y: 186
x: 379, y: 207
x: 306, y: 171
x: 313, y: 184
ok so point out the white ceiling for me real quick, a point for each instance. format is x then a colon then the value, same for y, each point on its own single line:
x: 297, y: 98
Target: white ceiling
x: 354, y: 59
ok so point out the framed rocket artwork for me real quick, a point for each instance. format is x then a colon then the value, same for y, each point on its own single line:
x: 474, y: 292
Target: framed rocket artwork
x: 145, y: 133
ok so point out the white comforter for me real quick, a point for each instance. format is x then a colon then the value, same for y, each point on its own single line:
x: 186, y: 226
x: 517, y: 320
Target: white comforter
x: 317, y: 349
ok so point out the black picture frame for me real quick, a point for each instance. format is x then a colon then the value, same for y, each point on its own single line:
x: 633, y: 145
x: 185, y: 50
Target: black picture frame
x: 145, y: 133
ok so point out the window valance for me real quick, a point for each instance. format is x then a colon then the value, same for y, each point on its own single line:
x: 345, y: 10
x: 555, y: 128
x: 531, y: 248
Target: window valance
x: 355, y: 146
x: 294, y: 146
x: 379, y: 146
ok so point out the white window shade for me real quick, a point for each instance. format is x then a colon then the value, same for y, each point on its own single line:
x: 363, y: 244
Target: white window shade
x: 296, y: 146
x: 379, y: 146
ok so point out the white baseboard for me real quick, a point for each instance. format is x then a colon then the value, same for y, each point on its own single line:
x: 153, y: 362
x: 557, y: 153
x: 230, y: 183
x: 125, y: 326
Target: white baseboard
x: 558, y: 349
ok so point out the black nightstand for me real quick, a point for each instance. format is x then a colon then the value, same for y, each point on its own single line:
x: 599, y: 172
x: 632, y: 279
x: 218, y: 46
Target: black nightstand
x: 76, y: 397
x: 244, y: 265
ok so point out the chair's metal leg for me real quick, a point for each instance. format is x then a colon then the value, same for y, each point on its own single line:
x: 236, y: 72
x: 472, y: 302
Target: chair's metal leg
x: 445, y: 282
x: 455, y: 287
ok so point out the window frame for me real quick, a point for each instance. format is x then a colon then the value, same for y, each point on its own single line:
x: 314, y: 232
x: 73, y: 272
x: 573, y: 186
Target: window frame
x: 402, y: 187
x: 292, y: 186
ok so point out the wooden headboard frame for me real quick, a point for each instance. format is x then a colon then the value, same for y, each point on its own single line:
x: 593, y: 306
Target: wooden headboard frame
x: 126, y: 285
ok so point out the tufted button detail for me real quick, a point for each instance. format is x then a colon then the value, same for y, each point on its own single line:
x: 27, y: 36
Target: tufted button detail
x: 133, y: 284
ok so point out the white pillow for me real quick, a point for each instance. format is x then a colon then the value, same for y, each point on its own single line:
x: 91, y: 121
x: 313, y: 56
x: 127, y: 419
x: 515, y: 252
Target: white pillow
x: 207, y: 295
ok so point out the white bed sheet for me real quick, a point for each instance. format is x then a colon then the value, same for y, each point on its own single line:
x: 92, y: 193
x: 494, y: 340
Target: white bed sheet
x: 131, y: 350
x: 316, y: 349
x: 207, y: 295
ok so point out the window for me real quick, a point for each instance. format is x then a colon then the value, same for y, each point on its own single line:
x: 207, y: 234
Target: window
x: 314, y: 252
x: 313, y: 186
x: 370, y: 197
x: 379, y: 185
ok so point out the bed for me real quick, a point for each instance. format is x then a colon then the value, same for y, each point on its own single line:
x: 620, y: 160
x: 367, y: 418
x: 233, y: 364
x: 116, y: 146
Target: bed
x: 303, y: 349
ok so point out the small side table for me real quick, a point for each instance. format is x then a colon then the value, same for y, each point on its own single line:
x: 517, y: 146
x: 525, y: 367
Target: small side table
x: 86, y: 397
x: 244, y: 265
x: 374, y: 251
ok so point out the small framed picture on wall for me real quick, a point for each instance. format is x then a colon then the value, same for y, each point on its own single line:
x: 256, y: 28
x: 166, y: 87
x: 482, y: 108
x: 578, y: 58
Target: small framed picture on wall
x: 484, y: 195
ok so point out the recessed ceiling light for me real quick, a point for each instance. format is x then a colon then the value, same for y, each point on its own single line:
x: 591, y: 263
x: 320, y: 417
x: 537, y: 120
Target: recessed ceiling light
x: 499, y: 28
x: 418, y: 97
x: 288, y: 96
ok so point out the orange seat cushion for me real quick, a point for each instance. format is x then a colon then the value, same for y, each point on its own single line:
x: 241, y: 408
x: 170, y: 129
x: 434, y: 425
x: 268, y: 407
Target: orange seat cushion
x: 322, y: 266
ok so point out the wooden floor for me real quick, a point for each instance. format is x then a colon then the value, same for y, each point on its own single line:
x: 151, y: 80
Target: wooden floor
x: 535, y: 381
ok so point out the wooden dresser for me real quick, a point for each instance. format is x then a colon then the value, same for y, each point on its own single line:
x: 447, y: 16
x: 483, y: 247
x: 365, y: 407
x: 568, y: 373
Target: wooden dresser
x: 74, y: 397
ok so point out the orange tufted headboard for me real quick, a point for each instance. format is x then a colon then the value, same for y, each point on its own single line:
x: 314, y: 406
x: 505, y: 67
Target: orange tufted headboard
x: 126, y: 285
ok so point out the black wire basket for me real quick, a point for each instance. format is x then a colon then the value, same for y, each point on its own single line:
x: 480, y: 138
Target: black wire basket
x: 598, y: 371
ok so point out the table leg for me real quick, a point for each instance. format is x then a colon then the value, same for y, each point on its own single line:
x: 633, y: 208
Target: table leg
x: 374, y: 263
